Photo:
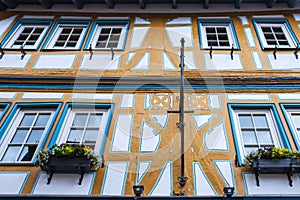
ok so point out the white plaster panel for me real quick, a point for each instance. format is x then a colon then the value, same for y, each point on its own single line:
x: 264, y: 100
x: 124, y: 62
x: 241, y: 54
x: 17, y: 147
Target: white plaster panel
x: 296, y: 17
x: 113, y: 18
x: 180, y: 20
x: 139, y: 20
x: 55, y: 61
x: 215, y: 139
x: 91, y: 96
x: 12, y: 182
x: 100, y: 62
x: 7, y: 95
x: 130, y: 55
x: 189, y: 60
x: 160, y: 119
x: 176, y: 33
x: 5, y: 24
x: 64, y: 184
x: 167, y: 64
x: 257, y: 60
x: 143, y: 167
x: 143, y: 64
x: 248, y: 97
x: 271, y: 184
x: 225, y: 169
x: 283, y: 61
x: 268, y: 17
x: 202, y: 185
x: 127, y: 101
x: 202, y: 120
x: 14, y: 61
x: 147, y: 101
x: 138, y: 36
x: 287, y: 96
x: 214, y: 101
x: 163, y: 186
x: 244, y: 20
x: 41, y: 95
x: 115, y: 178
x: 122, y: 133
x: 249, y: 36
x: 38, y: 17
x: 215, y: 17
x: 75, y: 17
x: 223, y: 62
x: 150, y: 139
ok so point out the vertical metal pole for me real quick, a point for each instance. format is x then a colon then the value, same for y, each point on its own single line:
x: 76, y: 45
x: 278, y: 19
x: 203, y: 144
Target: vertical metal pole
x: 182, y: 179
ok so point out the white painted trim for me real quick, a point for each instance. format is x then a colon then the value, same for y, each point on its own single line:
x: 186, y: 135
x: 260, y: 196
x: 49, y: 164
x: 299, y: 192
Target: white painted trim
x: 113, y: 18
x: 217, y: 17
x: 268, y: 17
x: 75, y: 17
x: 38, y: 17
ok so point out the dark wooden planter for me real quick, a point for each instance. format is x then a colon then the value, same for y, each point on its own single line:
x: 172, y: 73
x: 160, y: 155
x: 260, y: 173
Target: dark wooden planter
x: 78, y: 164
x: 287, y: 166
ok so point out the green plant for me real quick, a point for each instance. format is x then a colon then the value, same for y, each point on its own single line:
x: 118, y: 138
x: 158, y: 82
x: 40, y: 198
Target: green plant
x: 269, y: 153
x: 70, y: 150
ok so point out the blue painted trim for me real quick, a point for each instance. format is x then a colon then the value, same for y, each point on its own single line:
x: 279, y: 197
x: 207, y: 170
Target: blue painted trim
x: 155, y: 134
x: 63, y: 116
x: 152, y: 116
x: 277, y: 122
x: 283, y: 21
x: 138, y: 180
x: 107, y: 22
x: 57, y: 23
x: 225, y: 137
x: 204, y: 175
x: 26, y: 22
x: 209, y: 120
x: 283, y: 107
x: 160, y: 175
x: 114, y: 134
x: 105, y: 176
x: 5, y: 107
x: 55, y: 55
x: 245, y: 182
x: 130, y: 106
x: 221, y: 173
x: 24, y: 181
x: 231, y: 25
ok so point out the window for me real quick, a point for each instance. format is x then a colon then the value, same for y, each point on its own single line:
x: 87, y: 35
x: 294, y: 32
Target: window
x: 67, y: 35
x: 107, y: 35
x: 25, y: 133
x: 256, y: 127
x: 85, y: 124
x: 275, y: 33
x: 218, y: 35
x: 26, y: 34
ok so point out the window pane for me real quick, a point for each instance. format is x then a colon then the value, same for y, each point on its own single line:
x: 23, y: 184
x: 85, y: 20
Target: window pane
x: 95, y: 120
x: 27, y: 120
x: 19, y: 136
x: 249, y: 137
x: 90, y: 135
x: 11, y: 153
x: 42, y: 120
x: 35, y: 136
x: 27, y: 153
x: 79, y: 120
x: 264, y: 137
x: 245, y: 121
x: 75, y: 135
x: 249, y: 149
x: 260, y: 121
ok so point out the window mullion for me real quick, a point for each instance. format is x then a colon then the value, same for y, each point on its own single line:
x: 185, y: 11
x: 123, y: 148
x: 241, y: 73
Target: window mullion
x: 67, y: 40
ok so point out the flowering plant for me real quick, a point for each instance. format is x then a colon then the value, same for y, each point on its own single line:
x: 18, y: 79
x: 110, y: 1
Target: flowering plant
x: 69, y: 150
x: 269, y: 153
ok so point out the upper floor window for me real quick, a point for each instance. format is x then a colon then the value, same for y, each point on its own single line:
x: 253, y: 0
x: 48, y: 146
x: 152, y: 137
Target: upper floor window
x: 85, y: 125
x: 67, y: 35
x: 275, y: 33
x: 26, y: 34
x: 26, y: 131
x: 218, y: 35
x: 107, y: 35
x: 256, y: 127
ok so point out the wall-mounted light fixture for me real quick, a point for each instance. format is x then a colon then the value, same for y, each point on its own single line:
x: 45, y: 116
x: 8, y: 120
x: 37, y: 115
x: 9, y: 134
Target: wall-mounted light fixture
x: 228, y: 191
x: 138, y: 190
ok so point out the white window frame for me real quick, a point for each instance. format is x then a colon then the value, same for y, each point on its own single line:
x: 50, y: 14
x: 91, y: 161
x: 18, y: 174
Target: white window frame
x: 271, y: 122
x: 72, y: 111
x: 97, y: 31
x: 55, y: 35
x: 229, y: 30
x: 289, y: 112
x: 9, y: 44
x: 11, y: 130
x: 286, y: 30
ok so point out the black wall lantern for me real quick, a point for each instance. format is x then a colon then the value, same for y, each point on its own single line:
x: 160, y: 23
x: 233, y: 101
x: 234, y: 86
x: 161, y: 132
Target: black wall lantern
x: 228, y: 191
x: 138, y: 190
